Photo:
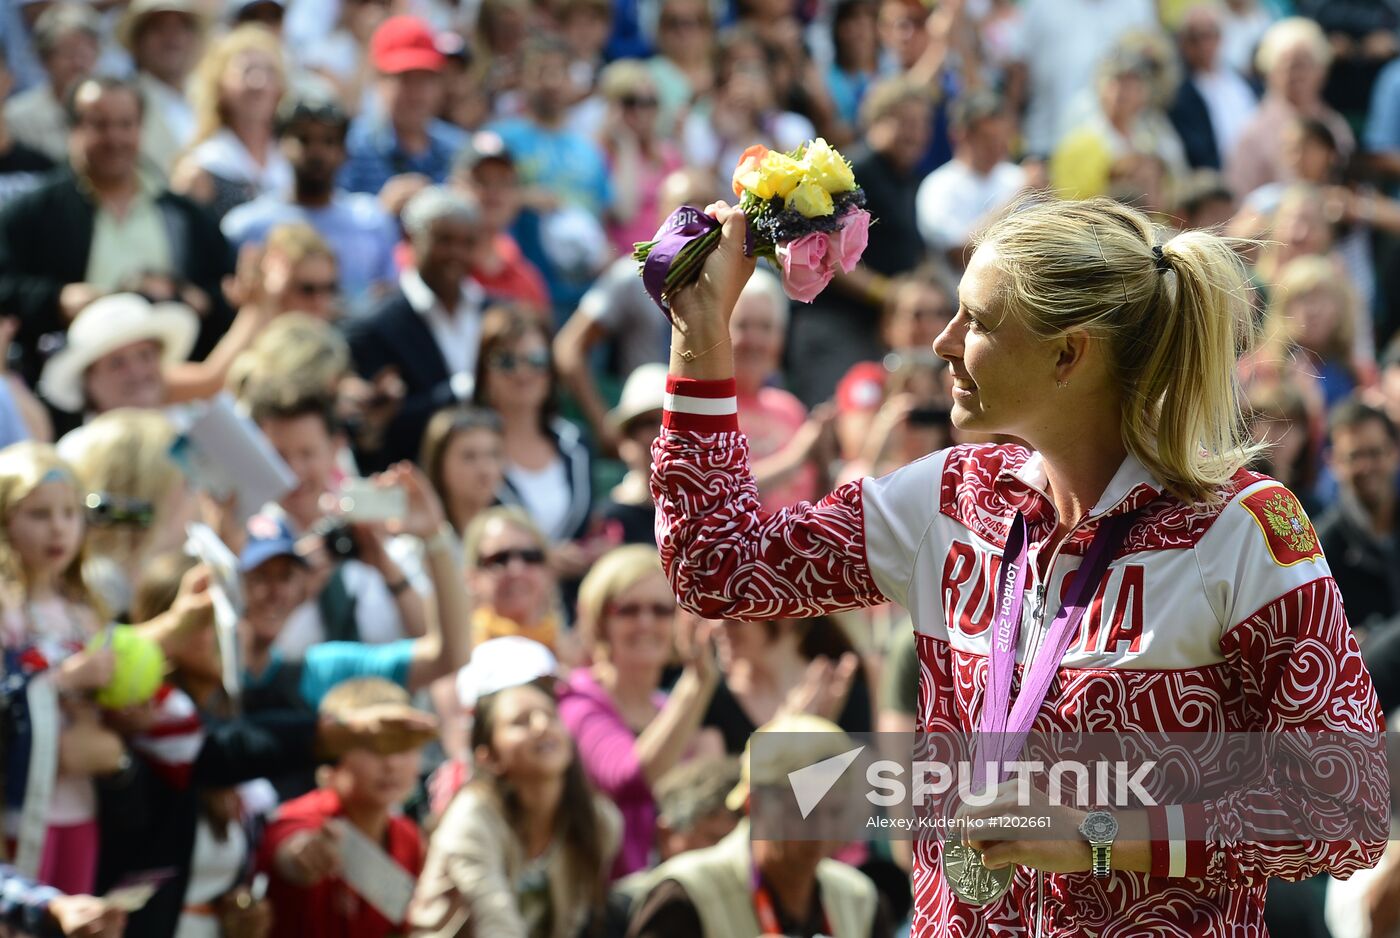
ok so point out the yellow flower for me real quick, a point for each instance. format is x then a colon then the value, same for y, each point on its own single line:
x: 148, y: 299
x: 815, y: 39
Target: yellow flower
x: 778, y: 175
x: 827, y: 168
x: 810, y: 199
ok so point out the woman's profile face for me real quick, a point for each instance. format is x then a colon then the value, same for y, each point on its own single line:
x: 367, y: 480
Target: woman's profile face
x: 1003, y: 377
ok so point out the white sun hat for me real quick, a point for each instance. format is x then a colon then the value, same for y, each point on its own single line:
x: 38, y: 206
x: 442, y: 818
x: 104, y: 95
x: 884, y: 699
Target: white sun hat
x: 106, y: 325
x: 499, y: 663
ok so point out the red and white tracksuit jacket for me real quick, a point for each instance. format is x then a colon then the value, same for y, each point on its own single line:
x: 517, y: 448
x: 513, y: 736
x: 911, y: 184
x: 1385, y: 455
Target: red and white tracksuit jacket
x: 1209, y: 619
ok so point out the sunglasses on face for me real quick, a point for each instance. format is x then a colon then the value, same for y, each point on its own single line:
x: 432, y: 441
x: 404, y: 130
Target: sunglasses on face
x: 530, y: 556
x: 308, y: 288
x: 683, y: 22
x: 634, y: 102
x: 508, y: 362
x: 635, y: 610
x: 105, y: 510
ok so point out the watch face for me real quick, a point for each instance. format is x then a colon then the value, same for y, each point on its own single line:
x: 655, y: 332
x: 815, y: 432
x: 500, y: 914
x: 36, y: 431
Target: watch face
x: 1099, y: 827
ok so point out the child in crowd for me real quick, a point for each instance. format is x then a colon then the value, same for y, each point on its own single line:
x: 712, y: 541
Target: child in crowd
x: 47, y: 616
x: 359, y: 798
x: 525, y: 848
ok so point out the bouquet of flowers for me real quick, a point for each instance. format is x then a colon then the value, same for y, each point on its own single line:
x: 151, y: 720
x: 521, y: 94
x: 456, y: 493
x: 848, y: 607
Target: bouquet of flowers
x: 805, y: 213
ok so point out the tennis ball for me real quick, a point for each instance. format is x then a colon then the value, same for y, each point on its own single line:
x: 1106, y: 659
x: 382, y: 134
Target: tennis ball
x: 137, y: 672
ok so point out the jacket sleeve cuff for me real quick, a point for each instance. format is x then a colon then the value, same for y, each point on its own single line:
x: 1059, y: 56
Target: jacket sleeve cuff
x: 701, y: 406
x: 1178, y: 840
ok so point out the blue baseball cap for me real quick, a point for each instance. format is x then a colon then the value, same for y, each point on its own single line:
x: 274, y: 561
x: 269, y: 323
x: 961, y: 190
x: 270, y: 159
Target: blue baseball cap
x: 268, y: 537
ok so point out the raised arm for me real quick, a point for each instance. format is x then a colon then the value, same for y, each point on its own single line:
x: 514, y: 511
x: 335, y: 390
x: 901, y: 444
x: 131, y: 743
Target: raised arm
x: 724, y: 556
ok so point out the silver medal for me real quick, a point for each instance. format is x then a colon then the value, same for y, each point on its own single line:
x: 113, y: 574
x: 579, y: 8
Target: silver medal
x: 970, y: 881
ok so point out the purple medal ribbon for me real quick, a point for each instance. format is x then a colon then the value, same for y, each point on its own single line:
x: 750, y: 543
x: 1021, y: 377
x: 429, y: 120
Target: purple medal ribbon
x: 683, y: 226
x: 1005, y: 726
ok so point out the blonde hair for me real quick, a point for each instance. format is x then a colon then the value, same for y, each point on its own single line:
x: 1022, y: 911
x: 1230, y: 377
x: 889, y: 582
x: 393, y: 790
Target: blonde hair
x: 511, y: 515
x: 1300, y: 277
x: 292, y: 344
x: 619, y: 569
x: 1173, y: 335
x: 204, y: 93
x: 1288, y: 32
x: 296, y: 241
x: 126, y: 452
x: 622, y: 77
x: 23, y: 468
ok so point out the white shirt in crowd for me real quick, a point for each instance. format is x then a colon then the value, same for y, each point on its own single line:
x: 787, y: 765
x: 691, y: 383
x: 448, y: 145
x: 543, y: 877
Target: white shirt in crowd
x: 954, y: 199
x: 1229, y: 101
x: 1064, y: 42
x: 458, y: 333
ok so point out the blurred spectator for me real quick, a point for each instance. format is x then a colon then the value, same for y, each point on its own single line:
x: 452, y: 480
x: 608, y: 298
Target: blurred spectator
x: 1082, y: 164
x: 1065, y: 42
x: 429, y: 330
x: 635, y: 422
x: 786, y: 666
x: 584, y: 25
x: 1204, y: 201
x: 523, y: 849
x: 1283, y: 419
x: 639, y: 159
x: 362, y: 791
x: 464, y: 458
x: 839, y: 328
x: 297, y: 272
x: 628, y: 732
x: 1314, y: 314
x: 557, y: 166
x: 359, y: 593
x: 67, y: 37
x: 1358, y: 533
x: 21, y: 167
x: 1382, y: 134
x: 510, y: 579
x: 956, y: 200
x: 266, y: 13
x: 88, y: 233
x: 854, y: 66
x: 684, y: 65
x: 618, y: 311
x: 548, y: 469
x: 466, y: 101
x: 116, y: 353
x: 164, y: 38
x: 32, y: 908
x: 784, y: 442
x: 235, y: 158
x: 741, y: 110
x: 139, y: 500
x: 487, y: 170
x: 311, y: 136
x: 710, y: 893
x: 341, y: 56
x: 403, y: 135
x: 1386, y: 395
x: 1214, y: 103
x: 690, y: 805
x: 1293, y: 57
x: 1243, y: 25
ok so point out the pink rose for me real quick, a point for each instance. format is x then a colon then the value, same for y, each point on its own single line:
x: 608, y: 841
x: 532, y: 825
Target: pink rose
x: 808, y: 266
x: 852, y: 238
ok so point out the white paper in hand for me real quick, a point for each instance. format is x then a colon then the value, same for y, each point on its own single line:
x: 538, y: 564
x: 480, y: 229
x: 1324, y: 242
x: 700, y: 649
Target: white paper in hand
x: 372, y: 873
x: 225, y: 453
x: 226, y: 592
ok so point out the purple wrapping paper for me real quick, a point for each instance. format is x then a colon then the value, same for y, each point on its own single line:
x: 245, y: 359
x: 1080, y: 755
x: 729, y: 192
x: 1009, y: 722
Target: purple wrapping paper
x: 683, y: 226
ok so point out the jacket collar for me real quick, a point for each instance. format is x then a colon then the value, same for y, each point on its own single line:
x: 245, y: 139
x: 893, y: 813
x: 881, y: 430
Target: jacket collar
x: 1131, y: 487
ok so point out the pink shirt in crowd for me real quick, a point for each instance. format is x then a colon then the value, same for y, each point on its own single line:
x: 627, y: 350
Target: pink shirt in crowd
x: 608, y: 748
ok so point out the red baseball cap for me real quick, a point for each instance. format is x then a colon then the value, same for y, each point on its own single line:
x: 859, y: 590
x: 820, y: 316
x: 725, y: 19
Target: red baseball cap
x: 862, y: 389
x: 405, y: 44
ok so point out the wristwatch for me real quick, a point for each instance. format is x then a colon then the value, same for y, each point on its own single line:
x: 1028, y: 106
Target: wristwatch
x: 1099, y: 828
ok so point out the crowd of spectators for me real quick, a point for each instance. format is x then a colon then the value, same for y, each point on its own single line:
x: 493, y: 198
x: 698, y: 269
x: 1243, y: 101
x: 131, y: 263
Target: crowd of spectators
x: 394, y: 237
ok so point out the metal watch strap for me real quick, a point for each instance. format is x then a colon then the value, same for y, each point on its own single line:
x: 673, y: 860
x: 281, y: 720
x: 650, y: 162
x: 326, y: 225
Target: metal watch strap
x: 1100, y: 856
